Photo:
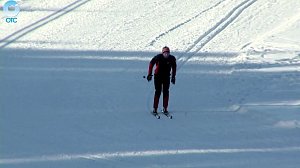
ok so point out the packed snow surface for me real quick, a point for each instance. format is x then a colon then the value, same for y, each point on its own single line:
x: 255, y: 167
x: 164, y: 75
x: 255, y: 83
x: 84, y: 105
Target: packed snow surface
x: 72, y: 92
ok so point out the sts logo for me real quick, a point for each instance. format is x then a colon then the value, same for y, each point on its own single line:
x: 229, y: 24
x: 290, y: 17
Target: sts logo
x: 11, y: 9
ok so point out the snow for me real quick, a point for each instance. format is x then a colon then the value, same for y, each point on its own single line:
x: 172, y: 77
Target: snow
x: 288, y: 124
x: 72, y: 92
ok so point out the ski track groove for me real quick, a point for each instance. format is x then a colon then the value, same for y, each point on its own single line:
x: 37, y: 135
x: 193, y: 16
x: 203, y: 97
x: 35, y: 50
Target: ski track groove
x: 183, y: 23
x: 41, y: 22
x: 214, y: 31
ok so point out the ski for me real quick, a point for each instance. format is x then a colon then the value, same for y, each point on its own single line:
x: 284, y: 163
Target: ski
x: 168, y: 115
x: 155, y: 115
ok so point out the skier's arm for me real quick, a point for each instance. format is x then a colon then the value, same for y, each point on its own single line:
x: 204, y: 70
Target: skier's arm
x: 151, y: 64
x: 174, y: 67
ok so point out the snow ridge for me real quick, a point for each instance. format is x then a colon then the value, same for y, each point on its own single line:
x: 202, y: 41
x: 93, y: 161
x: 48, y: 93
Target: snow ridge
x: 65, y: 157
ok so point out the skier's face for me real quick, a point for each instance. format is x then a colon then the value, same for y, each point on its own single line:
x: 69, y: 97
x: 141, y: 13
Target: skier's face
x: 166, y: 54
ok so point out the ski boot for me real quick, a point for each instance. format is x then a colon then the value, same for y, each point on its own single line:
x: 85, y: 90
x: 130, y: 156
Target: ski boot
x: 165, y: 111
x: 154, y: 112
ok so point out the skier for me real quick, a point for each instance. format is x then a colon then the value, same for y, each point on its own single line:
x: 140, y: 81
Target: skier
x: 164, y: 63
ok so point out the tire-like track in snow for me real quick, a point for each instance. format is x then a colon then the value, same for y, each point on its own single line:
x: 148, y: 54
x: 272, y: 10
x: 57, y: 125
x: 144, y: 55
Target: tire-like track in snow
x: 213, y: 32
x: 183, y: 23
x: 41, y: 22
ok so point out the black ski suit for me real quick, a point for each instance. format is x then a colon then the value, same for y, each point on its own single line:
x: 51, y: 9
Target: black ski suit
x: 162, y: 74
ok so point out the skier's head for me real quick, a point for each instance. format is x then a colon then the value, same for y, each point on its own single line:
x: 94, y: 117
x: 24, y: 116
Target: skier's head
x: 166, y: 51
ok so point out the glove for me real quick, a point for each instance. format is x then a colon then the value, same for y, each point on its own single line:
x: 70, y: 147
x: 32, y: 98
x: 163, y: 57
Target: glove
x: 149, y: 78
x: 173, y: 80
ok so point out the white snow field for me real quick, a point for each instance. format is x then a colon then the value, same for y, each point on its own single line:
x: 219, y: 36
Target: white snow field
x: 72, y: 92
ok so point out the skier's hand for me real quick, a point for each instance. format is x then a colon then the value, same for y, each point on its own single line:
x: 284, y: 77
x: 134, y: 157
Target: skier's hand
x: 173, y: 80
x: 149, y: 78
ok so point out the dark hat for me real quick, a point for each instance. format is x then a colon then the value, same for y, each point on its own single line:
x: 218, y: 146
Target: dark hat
x: 165, y: 49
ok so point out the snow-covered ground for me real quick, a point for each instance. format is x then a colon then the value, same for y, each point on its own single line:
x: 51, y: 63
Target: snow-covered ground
x: 72, y: 92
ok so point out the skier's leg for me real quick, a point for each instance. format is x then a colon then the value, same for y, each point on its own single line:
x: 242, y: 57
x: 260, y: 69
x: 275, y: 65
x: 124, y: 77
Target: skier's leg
x: 158, y: 87
x: 166, y: 86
